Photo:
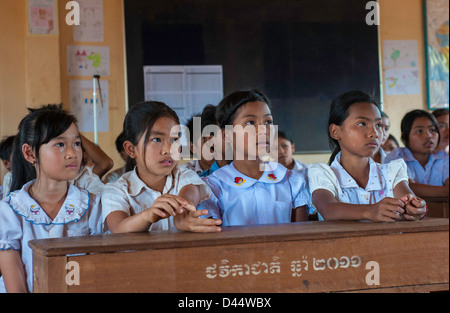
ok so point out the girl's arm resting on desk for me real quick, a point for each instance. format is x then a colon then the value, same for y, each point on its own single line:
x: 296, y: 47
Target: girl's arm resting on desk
x: 13, y: 272
x: 386, y: 210
x: 423, y: 190
x: 163, y: 207
x: 190, y: 220
x: 300, y: 214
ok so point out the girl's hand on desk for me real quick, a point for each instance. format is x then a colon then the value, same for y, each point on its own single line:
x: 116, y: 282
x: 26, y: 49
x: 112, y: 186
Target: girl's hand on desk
x: 167, y: 205
x: 415, y: 207
x: 191, y: 221
x: 387, y: 210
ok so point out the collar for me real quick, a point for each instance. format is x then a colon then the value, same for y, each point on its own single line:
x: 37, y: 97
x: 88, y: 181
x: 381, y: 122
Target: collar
x: 136, y: 185
x: 74, y: 207
x: 375, y: 181
x: 407, y: 155
x: 273, y: 173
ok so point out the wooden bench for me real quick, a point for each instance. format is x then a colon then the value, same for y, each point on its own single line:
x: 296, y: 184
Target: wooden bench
x: 437, y: 206
x: 297, y: 257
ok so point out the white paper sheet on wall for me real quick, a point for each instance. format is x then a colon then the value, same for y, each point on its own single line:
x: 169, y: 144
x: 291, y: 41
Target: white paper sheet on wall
x: 88, y: 61
x: 42, y: 18
x: 91, y: 21
x: 186, y: 89
x: 401, y: 68
x: 81, y: 105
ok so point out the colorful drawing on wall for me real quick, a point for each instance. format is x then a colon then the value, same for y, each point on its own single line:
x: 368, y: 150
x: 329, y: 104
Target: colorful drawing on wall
x: 82, y: 105
x: 401, y: 71
x: 87, y: 60
x: 42, y: 17
x: 437, y: 52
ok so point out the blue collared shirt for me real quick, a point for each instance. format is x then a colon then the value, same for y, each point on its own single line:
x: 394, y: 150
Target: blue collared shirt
x: 241, y: 200
x: 434, y: 173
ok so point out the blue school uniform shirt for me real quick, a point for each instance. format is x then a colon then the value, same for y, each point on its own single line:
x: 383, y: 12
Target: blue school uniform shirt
x: 434, y: 173
x: 22, y: 220
x: 241, y: 200
x: 382, y: 180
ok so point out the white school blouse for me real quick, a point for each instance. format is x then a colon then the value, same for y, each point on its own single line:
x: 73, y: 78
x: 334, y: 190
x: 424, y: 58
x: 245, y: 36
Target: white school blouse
x: 131, y: 195
x: 241, y: 200
x: 22, y: 220
x: 382, y: 180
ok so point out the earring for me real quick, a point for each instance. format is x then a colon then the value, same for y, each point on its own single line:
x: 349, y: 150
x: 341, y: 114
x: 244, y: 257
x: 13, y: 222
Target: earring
x: 34, y: 163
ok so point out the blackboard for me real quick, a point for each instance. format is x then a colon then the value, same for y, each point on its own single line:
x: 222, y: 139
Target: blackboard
x: 300, y: 53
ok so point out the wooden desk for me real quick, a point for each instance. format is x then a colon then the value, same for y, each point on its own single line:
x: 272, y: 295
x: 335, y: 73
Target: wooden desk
x: 437, y: 206
x: 296, y: 257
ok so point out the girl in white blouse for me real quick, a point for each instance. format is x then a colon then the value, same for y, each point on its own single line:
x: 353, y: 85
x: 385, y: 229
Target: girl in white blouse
x: 47, y: 148
x: 354, y: 187
x: 155, y: 194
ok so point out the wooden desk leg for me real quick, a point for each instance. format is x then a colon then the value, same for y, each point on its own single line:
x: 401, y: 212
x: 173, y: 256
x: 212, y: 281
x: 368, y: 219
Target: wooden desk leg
x: 47, y: 273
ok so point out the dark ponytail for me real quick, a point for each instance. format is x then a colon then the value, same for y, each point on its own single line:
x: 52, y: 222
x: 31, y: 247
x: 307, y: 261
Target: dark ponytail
x: 339, y: 112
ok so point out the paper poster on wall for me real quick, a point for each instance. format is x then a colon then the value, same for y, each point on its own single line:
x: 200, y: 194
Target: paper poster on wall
x: 401, y: 71
x: 87, y: 60
x: 402, y: 81
x: 82, y: 105
x: 91, y: 21
x: 42, y: 17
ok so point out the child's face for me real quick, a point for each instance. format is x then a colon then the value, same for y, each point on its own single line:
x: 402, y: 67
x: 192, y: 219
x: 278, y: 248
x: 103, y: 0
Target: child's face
x: 385, y: 129
x: 60, y: 159
x: 253, y: 128
x: 285, y: 151
x: 423, y: 137
x: 360, y: 134
x: 162, y: 151
x: 443, y: 129
x: 389, y: 145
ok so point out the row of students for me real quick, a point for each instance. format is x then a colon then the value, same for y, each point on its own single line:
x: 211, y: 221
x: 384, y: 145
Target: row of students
x: 155, y: 193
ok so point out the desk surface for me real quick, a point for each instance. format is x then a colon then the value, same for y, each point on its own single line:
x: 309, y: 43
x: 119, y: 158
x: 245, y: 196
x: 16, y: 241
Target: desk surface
x: 230, y: 235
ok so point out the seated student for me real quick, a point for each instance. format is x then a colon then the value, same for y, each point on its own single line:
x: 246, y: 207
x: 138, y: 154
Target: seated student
x: 115, y: 175
x: 391, y: 144
x: 354, y: 187
x: 286, y: 148
x: 427, y: 171
x: 6, y: 146
x: 48, y: 147
x: 250, y: 190
x: 154, y: 191
x: 380, y: 154
x: 441, y: 116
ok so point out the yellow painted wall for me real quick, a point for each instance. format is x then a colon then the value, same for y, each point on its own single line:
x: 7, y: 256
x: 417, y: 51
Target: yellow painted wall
x: 33, y: 68
x: 403, y: 20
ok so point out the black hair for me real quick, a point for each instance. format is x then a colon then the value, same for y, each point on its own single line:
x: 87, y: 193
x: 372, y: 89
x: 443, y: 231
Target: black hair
x: 408, y: 121
x: 439, y: 112
x: 36, y: 129
x: 139, y: 121
x: 227, y: 108
x: 284, y: 135
x: 6, y: 146
x: 339, y: 111
x: 119, y: 142
x: 391, y: 137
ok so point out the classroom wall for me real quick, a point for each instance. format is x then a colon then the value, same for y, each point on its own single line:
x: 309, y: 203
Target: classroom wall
x: 399, y: 20
x: 33, y: 68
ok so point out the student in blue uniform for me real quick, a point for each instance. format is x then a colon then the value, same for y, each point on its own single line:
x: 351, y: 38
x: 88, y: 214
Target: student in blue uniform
x: 427, y: 171
x: 251, y: 190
